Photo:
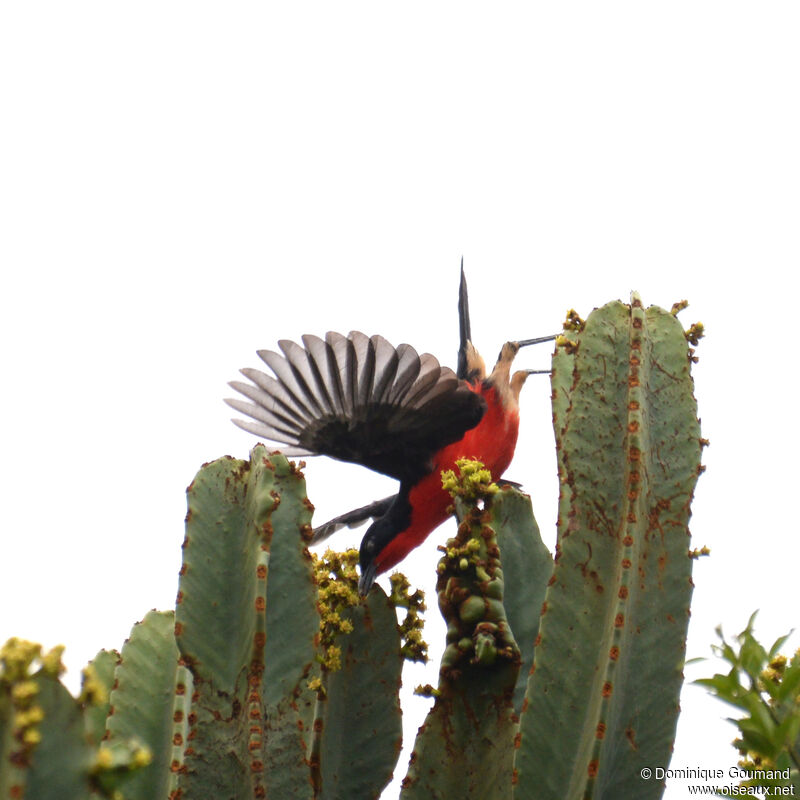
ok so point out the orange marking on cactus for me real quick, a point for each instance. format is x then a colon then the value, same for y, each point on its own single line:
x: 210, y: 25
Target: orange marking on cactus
x: 600, y: 731
x: 623, y: 593
x: 630, y: 735
x: 628, y: 541
x: 619, y: 621
x: 626, y: 563
x: 608, y: 688
x: 593, y: 768
x: 261, y: 604
x: 613, y: 653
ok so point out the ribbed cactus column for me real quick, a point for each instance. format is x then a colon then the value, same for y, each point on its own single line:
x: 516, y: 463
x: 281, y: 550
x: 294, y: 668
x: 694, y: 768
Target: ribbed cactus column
x: 271, y: 715
x: 244, y: 556
x: 144, y: 702
x: 357, y: 725
x: 602, y: 701
x: 49, y: 739
x: 465, y: 747
x: 527, y: 566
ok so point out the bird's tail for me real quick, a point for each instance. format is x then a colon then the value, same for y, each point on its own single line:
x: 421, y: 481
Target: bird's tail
x: 464, y: 330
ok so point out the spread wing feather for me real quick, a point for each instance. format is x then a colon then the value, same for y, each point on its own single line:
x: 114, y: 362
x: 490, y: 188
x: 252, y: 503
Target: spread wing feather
x: 352, y: 519
x: 357, y: 398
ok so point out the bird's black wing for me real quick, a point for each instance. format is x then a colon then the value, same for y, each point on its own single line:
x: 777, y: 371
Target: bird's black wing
x: 358, y: 398
x: 352, y: 519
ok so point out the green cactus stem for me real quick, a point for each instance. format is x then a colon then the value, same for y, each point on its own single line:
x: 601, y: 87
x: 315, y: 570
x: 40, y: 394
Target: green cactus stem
x: 246, y: 625
x: 602, y: 702
x: 465, y: 747
x: 527, y: 567
x: 97, y: 680
x: 142, y: 704
x: 47, y: 744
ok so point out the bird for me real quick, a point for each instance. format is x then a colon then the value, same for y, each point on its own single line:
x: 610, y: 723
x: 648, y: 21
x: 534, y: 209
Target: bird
x: 357, y: 398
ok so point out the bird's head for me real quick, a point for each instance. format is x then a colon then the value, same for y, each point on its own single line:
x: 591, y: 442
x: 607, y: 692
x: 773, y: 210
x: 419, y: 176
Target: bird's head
x: 380, y: 539
x: 370, y: 547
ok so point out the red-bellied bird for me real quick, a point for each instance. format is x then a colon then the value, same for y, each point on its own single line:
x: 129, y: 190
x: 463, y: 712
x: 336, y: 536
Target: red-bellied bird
x: 357, y: 398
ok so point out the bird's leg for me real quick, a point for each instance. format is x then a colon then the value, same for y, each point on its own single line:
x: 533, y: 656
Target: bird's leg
x: 510, y: 385
x: 537, y: 340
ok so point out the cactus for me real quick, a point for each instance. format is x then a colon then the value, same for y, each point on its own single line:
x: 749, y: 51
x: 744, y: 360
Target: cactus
x: 608, y: 663
x: 48, y: 738
x: 358, y: 708
x: 148, y: 668
x: 273, y: 678
x: 244, y: 553
x: 96, y: 686
x: 527, y: 566
x: 465, y: 747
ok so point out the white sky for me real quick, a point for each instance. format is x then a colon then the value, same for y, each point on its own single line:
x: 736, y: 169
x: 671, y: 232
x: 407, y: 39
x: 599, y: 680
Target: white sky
x: 182, y: 184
